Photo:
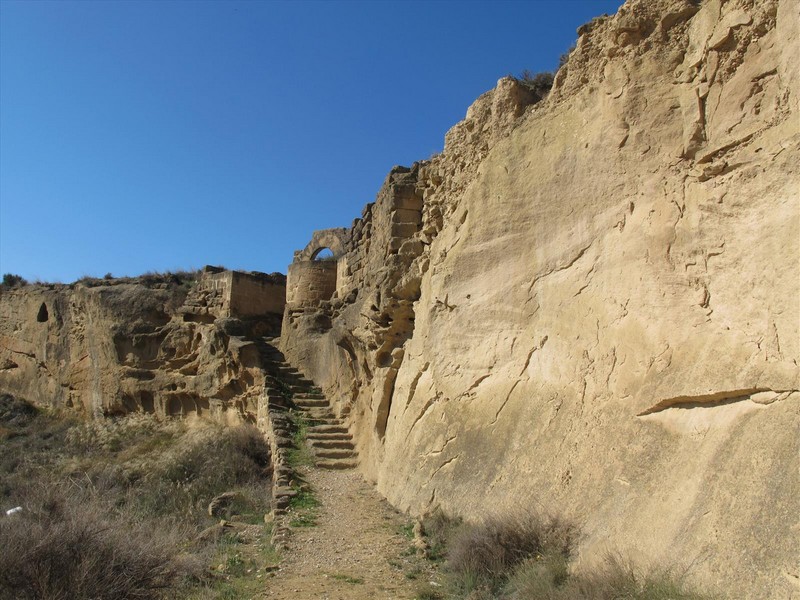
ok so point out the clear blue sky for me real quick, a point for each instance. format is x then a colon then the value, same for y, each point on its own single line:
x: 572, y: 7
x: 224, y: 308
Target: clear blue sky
x: 140, y: 136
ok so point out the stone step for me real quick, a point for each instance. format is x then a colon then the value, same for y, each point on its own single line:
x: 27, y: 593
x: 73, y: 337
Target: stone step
x: 334, y: 453
x: 333, y: 463
x: 329, y: 436
x: 334, y: 428
x: 320, y: 414
x: 310, y: 402
x: 332, y: 444
x: 315, y: 421
x: 310, y: 396
x: 324, y: 423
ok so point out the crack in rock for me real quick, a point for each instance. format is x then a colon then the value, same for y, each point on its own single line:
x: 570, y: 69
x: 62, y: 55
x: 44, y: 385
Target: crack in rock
x: 717, y: 399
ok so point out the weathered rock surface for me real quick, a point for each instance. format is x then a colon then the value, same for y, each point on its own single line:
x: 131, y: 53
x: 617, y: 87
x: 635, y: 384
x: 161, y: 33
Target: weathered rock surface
x: 121, y: 347
x: 592, y: 303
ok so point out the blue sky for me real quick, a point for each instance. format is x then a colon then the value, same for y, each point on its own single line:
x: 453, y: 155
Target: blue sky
x: 138, y: 136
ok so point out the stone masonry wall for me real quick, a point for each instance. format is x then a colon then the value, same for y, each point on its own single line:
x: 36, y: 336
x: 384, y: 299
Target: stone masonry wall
x: 238, y: 294
x: 253, y: 294
x: 310, y: 282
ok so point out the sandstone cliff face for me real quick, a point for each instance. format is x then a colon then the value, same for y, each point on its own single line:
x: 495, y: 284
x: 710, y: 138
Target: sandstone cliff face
x: 127, y: 347
x: 596, y: 307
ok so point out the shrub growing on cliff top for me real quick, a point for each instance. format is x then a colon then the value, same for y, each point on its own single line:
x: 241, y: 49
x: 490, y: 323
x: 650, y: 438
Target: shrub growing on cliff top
x: 541, y: 83
x: 11, y: 281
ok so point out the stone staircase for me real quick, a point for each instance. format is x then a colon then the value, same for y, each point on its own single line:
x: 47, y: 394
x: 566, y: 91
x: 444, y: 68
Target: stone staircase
x: 326, y: 435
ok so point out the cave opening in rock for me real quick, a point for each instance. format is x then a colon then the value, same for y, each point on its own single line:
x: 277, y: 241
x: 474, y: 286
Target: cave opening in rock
x: 43, y: 315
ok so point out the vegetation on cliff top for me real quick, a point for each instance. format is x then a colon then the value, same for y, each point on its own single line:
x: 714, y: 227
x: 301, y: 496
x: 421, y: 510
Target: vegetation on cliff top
x: 180, y: 277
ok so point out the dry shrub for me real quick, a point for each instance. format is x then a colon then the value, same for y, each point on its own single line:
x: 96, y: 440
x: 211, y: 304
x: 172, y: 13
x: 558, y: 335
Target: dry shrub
x: 490, y: 550
x: 196, y: 468
x: 439, y: 530
x: 113, y: 508
x: 67, y: 544
x: 616, y: 579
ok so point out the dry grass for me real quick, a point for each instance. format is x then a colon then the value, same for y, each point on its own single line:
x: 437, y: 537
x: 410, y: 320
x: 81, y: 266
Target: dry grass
x: 69, y: 543
x: 523, y: 556
x: 114, y: 508
x: 498, y: 544
x: 616, y: 579
x: 484, y: 555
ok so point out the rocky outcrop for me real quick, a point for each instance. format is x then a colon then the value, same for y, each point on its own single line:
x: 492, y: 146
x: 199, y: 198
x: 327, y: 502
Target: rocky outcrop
x: 592, y: 303
x: 121, y: 346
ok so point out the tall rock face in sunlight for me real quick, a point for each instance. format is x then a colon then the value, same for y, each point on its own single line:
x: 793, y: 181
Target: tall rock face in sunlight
x: 591, y: 303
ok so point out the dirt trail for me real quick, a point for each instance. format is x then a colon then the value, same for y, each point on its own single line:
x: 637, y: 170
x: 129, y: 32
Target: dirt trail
x: 356, y: 551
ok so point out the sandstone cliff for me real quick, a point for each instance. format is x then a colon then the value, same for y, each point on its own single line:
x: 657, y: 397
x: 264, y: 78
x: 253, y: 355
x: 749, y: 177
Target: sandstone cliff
x: 120, y: 346
x: 592, y: 303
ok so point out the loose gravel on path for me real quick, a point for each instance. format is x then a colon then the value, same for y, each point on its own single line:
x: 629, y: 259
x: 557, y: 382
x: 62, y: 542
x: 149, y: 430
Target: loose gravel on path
x: 357, y: 549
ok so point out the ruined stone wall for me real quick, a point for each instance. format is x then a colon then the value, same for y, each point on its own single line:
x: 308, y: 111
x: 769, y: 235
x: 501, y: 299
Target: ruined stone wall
x: 599, y: 313
x: 212, y: 293
x: 124, y: 347
x: 253, y: 295
x: 310, y: 282
x: 223, y: 293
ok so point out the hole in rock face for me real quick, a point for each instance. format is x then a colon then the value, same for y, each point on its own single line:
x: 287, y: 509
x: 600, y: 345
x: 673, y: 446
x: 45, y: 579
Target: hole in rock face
x: 384, y: 359
x: 148, y: 404
x: 42, y: 316
x: 173, y: 406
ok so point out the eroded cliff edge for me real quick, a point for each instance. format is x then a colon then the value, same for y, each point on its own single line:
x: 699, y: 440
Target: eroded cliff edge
x: 154, y: 344
x: 592, y: 303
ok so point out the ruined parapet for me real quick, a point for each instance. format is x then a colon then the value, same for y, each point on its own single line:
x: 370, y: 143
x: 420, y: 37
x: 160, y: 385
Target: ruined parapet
x: 309, y: 280
x: 223, y: 293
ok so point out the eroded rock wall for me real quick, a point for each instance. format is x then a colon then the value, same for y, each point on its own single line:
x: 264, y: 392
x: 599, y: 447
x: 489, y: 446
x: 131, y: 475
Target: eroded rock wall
x: 598, y: 312
x: 127, y: 347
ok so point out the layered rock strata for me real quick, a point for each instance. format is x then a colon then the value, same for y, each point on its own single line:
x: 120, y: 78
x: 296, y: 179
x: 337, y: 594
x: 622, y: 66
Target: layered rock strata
x: 591, y: 304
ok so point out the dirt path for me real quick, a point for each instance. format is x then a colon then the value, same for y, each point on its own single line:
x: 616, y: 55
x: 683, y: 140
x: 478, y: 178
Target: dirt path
x: 357, y: 550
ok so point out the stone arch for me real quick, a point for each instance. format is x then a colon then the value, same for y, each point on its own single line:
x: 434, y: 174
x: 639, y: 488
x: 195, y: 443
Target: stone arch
x: 333, y: 239
x: 319, y: 251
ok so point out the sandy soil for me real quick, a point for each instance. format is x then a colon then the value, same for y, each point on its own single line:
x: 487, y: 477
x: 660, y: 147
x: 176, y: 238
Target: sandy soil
x: 357, y: 550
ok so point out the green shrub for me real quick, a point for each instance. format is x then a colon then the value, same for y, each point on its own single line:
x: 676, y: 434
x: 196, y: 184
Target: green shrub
x: 541, y: 83
x: 11, y: 281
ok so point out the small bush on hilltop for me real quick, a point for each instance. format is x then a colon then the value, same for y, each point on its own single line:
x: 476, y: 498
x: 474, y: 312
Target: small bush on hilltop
x: 11, y: 281
x: 179, y: 278
x: 541, y: 83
